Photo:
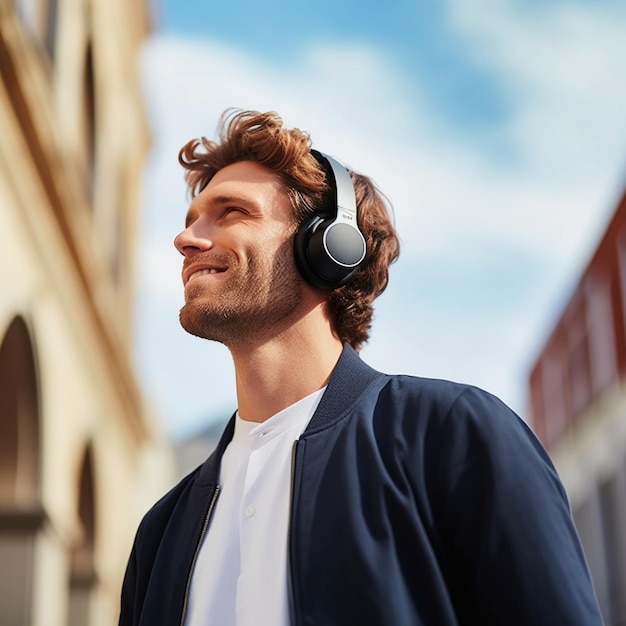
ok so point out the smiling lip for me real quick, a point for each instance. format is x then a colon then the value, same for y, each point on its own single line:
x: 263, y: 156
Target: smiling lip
x: 194, y: 272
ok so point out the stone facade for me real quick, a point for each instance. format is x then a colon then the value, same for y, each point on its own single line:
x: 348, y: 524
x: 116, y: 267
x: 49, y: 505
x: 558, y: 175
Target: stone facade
x: 81, y: 454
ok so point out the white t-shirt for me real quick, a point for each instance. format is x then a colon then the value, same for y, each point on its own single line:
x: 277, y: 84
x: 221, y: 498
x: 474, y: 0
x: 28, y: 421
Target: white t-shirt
x: 240, y: 576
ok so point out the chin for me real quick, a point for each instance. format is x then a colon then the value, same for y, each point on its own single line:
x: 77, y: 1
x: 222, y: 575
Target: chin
x: 191, y: 319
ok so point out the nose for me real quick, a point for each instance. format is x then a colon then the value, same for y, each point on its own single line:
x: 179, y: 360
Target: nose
x: 192, y: 240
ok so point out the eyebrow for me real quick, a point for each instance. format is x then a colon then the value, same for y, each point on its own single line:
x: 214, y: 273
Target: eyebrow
x: 233, y: 199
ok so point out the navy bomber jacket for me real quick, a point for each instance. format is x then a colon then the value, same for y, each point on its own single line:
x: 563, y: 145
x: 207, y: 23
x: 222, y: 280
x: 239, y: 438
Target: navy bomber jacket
x: 415, y: 502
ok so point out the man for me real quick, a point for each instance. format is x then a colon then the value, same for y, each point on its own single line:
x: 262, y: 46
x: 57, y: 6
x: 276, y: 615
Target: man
x: 337, y: 495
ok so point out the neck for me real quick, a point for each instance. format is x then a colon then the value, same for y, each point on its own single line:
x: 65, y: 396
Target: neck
x: 275, y: 373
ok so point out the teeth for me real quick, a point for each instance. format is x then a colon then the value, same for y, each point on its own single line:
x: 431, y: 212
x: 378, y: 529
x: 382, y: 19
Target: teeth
x: 203, y: 273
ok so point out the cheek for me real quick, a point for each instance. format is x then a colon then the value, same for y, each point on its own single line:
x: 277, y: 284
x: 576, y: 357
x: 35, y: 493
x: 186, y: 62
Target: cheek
x: 284, y: 257
x: 275, y: 253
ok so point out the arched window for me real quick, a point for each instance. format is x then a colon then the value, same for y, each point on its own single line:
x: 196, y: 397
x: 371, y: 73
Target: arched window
x: 20, y: 510
x: 82, y: 573
x: 19, y: 421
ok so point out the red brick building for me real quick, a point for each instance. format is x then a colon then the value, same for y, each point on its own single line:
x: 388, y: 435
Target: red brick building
x: 577, y: 391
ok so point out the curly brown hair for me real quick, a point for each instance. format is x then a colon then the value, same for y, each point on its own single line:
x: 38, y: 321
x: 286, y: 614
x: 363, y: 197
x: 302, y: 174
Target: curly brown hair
x: 262, y: 138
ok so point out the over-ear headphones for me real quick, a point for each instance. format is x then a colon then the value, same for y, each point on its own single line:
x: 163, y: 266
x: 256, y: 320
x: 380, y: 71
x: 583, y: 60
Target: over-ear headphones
x: 328, y: 246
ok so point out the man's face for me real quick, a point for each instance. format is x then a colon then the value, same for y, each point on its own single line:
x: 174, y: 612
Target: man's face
x: 240, y: 279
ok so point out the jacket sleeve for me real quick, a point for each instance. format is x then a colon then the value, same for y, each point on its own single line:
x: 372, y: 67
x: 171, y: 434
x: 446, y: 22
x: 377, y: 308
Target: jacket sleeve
x: 510, y: 549
x: 131, y: 597
x: 141, y: 561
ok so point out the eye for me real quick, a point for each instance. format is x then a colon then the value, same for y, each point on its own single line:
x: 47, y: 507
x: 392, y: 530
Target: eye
x: 230, y: 210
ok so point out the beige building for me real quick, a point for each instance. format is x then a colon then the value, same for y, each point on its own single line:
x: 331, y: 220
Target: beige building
x: 578, y: 398
x: 81, y: 457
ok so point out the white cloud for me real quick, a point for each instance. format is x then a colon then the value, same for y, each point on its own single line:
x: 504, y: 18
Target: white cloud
x: 563, y: 67
x: 508, y: 236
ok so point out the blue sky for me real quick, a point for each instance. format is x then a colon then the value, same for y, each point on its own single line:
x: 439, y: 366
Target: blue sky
x: 412, y: 35
x: 497, y: 129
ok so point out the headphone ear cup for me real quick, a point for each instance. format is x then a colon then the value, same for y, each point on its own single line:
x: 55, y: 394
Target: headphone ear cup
x: 328, y: 246
x: 318, y: 263
x: 301, y: 253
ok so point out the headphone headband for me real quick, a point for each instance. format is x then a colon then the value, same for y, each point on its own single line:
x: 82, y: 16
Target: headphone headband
x: 341, y: 183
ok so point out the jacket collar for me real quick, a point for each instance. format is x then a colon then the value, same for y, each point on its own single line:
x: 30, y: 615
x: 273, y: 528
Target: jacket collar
x: 210, y: 470
x: 348, y: 380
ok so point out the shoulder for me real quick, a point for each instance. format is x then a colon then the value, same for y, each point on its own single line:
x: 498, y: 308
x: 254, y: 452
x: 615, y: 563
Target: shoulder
x: 470, y: 436
x: 197, y: 483
x: 469, y: 415
x: 432, y: 391
x: 426, y: 414
x: 145, y: 547
x: 445, y: 402
x: 455, y: 421
x: 155, y: 520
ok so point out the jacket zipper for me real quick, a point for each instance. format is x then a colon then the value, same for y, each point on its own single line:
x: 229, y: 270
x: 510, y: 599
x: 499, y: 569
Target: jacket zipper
x: 292, y: 603
x: 205, y: 527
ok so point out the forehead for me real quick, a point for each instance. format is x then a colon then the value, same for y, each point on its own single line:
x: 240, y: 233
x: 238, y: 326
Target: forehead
x: 245, y: 173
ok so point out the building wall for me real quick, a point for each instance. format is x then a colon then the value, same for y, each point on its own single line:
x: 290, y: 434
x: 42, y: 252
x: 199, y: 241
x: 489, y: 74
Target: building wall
x: 577, y: 393
x: 81, y: 454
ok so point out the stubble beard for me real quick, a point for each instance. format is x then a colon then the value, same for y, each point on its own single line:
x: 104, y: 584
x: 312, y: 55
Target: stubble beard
x: 252, y: 304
